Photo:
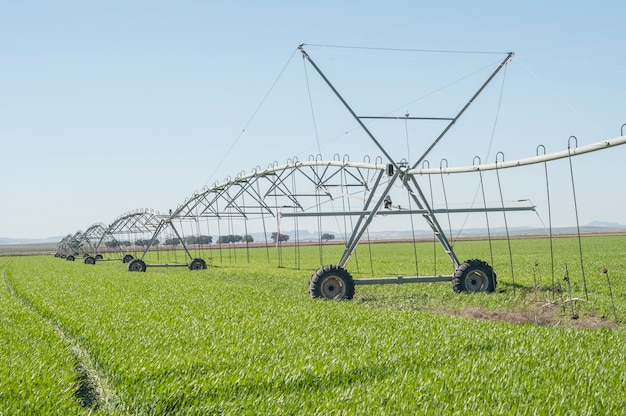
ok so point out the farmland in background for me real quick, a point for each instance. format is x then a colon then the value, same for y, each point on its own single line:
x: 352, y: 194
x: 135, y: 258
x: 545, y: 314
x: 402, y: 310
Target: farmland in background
x: 27, y: 249
x: 243, y: 336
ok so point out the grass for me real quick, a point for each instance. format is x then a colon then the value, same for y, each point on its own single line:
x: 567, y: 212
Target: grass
x: 244, y: 337
x: 37, y: 367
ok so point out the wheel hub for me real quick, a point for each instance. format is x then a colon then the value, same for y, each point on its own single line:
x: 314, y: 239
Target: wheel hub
x: 333, y: 287
x: 477, y: 282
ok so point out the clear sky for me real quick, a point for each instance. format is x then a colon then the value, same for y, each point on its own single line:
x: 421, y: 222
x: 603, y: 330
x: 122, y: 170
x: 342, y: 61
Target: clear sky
x: 106, y: 107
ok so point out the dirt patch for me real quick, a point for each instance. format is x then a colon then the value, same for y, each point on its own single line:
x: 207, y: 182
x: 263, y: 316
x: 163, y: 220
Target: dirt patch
x: 536, y: 314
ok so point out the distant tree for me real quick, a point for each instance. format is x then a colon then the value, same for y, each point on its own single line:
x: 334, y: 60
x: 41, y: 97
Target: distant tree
x: 328, y: 237
x: 279, y: 237
x: 225, y: 239
x: 144, y: 243
x: 200, y: 239
x: 174, y: 241
x: 248, y: 239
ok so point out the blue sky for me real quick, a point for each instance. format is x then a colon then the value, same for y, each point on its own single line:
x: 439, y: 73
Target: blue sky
x: 106, y: 107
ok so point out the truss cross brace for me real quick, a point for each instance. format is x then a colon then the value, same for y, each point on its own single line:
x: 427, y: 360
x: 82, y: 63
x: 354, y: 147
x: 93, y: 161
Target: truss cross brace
x: 399, y: 171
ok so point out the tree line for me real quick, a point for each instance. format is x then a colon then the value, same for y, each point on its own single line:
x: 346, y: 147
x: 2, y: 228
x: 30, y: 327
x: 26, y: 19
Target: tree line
x: 205, y: 239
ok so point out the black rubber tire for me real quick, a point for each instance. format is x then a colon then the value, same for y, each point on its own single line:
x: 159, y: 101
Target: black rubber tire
x: 99, y: 257
x: 57, y: 255
x: 331, y: 282
x: 70, y: 258
x: 89, y: 260
x: 197, y: 264
x: 127, y: 258
x: 474, y: 276
x: 136, y: 265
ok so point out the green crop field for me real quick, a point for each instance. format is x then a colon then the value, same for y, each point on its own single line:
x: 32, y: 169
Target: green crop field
x: 244, y: 337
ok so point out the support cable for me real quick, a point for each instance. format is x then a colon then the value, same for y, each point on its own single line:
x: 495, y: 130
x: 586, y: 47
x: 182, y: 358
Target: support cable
x: 209, y: 240
x: 414, y: 243
x: 279, y: 249
x: 246, y: 237
x: 320, y: 251
x: 296, y: 253
x: 482, y: 188
x: 432, y: 204
x: 551, y: 237
x: 506, y: 224
x: 495, y: 121
x: 267, y: 247
x: 181, y: 238
x: 219, y: 240
x: 230, y: 149
x: 308, y: 88
x: 580, y: 247
x: 408, y: 161
x: 198, y: 242
x: 345, y: 226
x: 369, y: 245
x: 404, y: 49
x: 445, y: 198
x: 493, y: 130
x: 231, y: 231
x: 406, y: 134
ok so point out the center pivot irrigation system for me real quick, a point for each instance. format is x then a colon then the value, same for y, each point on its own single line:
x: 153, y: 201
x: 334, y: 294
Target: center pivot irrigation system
x: 334, y: 281
x: 316, y: 190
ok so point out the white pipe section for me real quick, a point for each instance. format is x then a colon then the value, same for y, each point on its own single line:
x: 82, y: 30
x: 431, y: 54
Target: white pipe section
x: 522, y: 162
x: 429, y: 171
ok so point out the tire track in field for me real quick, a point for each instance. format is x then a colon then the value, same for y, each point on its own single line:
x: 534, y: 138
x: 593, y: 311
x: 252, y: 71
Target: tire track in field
x: 93, y: 390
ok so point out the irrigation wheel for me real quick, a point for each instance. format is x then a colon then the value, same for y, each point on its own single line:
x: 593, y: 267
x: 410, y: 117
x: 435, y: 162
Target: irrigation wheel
x: 136, y: 265
x: 331, y: 282
x: 474, y: 276
x: 89, y: 260
x: 70, y: 258
x: 127, y: 258
x: 99, y: 257
x: 197, y: 264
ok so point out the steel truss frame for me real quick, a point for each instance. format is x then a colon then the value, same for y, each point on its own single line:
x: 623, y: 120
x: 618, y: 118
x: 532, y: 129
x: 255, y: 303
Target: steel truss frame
x: 331, y: 281
x: 312, y: 188
x: 152, y: 223
x: 80, y: 243
x: 69, y: 245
